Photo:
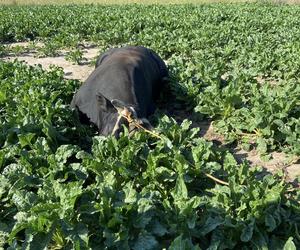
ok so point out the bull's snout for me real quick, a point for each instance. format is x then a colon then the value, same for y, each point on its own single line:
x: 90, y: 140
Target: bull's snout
x: 128, y: 116
x: 133, y: 125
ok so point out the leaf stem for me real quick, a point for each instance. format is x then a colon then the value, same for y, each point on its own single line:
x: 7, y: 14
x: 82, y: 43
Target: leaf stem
x: 216, y: 179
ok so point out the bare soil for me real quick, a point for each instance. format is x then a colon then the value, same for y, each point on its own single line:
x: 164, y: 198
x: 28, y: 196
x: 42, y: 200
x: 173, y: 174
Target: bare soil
x: 277, y: 162
x: 71, y: 70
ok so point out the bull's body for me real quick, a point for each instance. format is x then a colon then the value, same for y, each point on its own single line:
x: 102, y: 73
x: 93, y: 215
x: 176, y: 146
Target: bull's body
x: 130, y: 75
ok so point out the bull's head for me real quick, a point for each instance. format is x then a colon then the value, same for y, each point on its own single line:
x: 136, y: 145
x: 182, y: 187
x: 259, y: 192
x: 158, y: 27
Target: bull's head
x: 113, y: 115
x: 128, y: 115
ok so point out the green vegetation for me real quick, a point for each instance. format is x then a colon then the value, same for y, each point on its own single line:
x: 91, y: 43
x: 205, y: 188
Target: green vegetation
x: 237, y: 64
x: 110, y: 2
x: 75, y: 56
x: 137, y: 193
x: 64, y: 187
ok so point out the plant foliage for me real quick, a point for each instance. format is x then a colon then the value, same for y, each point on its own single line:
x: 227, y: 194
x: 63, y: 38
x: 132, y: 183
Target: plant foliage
x: 237, y: 64
x: 64, y: 187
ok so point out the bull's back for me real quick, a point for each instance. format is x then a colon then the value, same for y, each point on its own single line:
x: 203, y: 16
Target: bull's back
x: 127, y: 74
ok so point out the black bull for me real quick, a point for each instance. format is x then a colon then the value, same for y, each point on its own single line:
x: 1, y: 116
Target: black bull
x: 124, y: 78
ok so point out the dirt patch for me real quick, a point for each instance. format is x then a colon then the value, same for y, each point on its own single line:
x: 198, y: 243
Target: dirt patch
x: 81, y: 72
x: 278, y: 160
x: 71, y: 70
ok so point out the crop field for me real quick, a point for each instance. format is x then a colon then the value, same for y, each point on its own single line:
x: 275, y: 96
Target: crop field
x: 110, y: 2
x: 62, y: 186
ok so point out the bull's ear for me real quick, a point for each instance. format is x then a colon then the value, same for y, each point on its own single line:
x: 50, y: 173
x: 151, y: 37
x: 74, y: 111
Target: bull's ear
x: 121, y: 107
x: 104, y: 104
x: 118, y: 105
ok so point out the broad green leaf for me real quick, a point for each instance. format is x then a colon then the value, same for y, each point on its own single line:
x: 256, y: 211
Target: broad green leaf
x: 130, y: 193
x: 180, y: 191
x: 182, y: 244
x: 210, y: 224
x: 247, y: 232
x: 145, y: 242
x: 270, y: 222
x: 289, y: 245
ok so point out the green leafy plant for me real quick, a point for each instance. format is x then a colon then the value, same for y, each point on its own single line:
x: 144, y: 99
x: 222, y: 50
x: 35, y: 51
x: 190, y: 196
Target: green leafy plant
x: 3, y: 50
x: 49, y: 49
x: 64, y: 187
x: 75, y: 56
x: 17, y: 50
